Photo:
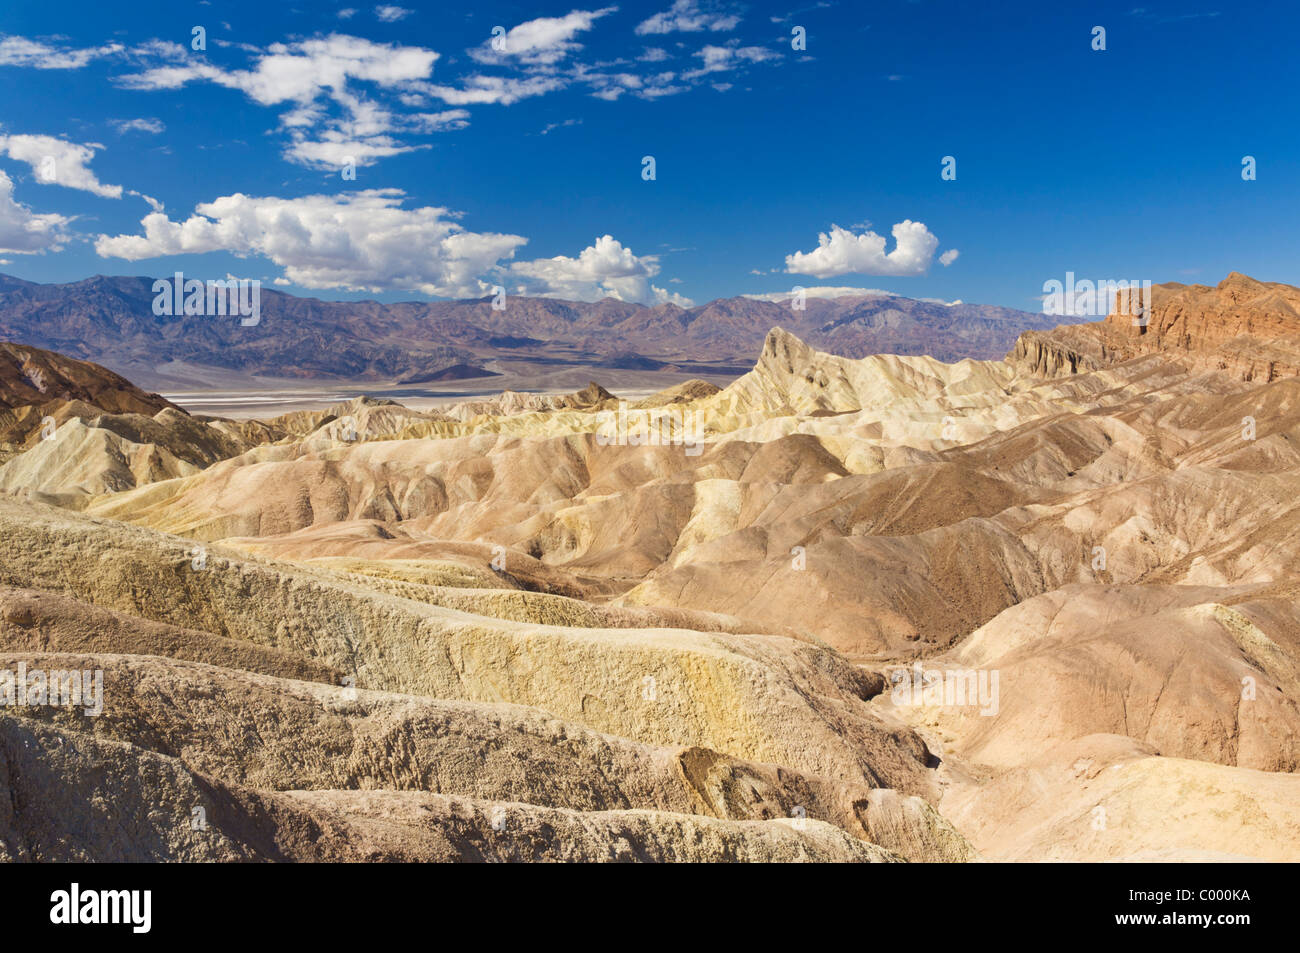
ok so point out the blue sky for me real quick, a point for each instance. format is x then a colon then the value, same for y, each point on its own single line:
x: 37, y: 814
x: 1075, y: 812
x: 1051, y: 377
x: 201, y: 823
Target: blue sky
x: 522, y: 166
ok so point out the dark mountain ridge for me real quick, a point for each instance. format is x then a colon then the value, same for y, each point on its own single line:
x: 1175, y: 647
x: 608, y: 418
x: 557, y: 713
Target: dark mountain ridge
x: 110, y: 320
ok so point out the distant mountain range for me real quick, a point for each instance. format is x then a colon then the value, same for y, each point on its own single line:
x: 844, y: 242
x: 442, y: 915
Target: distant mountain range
x: 110, y: 320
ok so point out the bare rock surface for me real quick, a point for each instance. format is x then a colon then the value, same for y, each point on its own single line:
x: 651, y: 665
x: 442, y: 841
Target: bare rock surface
x: 499, y: 631
x: 71, y: 797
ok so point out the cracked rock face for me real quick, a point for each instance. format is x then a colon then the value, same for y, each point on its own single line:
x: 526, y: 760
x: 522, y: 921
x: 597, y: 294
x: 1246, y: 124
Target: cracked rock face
x: 1241, y: 328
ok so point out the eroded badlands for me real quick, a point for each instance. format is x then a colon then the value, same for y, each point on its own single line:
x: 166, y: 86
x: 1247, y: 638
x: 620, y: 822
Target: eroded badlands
x: 482, y: 633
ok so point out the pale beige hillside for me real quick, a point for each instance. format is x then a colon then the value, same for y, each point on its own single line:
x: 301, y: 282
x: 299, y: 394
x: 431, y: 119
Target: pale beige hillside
x: 491, y: 632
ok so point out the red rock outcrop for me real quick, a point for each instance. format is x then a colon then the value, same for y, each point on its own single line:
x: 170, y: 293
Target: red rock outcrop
x: 1247, y: 329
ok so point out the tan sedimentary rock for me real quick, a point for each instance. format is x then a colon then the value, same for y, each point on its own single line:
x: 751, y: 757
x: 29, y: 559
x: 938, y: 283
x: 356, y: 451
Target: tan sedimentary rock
x: 272, y: 734
x: 758, y: 697
x: 622, y: 650
x: 1243, y: 328
x: 1104, y: 798
x: 71, y: 797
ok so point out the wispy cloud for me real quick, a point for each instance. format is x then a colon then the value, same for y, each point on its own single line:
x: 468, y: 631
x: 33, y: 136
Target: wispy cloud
x: 20, y: 51
x: 820, y: 291
x: 479, y: 89
x: 691, y: 16
x: 716, y: 59
x: 1144, y: 13
x: 123, y: 126
x: 321, y: 79
x: 544, y: 41
x: 552, y: 126
x: 386, y: 13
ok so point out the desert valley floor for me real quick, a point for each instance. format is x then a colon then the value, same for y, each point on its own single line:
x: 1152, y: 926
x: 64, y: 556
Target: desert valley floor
x: 486, y: 631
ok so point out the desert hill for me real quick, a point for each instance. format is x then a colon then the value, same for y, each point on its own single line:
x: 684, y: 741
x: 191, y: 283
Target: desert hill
x: 1246, y: 328
x: 31, y: 376
x: 502, y: 630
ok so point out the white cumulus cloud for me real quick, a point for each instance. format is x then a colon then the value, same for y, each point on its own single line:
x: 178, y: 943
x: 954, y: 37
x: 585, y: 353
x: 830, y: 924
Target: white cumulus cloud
x: 24, y: 232
x: 605, y: 269
x: 841, y: 252
x: 948, y: 257
x: 59, y: 162
x: 362, y: 241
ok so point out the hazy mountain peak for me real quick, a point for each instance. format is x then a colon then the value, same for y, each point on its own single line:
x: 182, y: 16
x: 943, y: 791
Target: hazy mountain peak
x: 111, y: 320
